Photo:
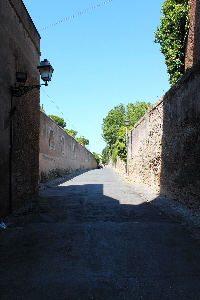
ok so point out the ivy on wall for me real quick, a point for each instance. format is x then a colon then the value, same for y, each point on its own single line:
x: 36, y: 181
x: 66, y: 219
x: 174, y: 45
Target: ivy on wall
x: 172, y: 36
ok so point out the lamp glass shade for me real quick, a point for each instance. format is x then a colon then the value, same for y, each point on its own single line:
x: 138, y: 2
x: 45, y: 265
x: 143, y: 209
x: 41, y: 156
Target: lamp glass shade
x: 126, y: 121
x: 46, y: 70
x: 21, y: 76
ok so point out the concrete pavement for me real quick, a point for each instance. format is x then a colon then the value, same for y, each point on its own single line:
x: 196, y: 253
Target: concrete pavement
x: 96, y: 237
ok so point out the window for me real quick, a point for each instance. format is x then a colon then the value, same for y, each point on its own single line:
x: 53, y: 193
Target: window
x: 62, y: 143
x: 74, y: 149
x: 51, y: 139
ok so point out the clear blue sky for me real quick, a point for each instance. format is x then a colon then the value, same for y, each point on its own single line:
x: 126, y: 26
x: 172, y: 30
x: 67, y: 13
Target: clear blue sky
x: 101, y: 58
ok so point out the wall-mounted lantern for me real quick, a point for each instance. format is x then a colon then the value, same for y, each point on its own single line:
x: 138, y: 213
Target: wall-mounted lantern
x: 45, y: 70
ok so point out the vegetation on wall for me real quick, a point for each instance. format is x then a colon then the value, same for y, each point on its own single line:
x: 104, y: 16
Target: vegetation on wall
x: 71, y: 132
x: 114, y: 129
x: 96, y: 157
x: 82, y: 141
x: 42, y: 107
x: 61, y: 122
x: 172, y: 36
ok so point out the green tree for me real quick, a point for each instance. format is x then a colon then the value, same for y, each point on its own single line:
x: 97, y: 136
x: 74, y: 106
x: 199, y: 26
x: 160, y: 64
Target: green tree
x: 83, y: 141
x: 60, y: 121
x: 96, y: 157
x: 71, y: 132
x: 172, y: 36
x: 136, y: 111
x: 106, y: 155
x: 112, y: 123
x: 114, y: 129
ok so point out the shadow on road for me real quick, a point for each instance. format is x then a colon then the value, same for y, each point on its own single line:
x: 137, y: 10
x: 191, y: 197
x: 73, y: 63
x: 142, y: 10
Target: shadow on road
x: 97, y: 241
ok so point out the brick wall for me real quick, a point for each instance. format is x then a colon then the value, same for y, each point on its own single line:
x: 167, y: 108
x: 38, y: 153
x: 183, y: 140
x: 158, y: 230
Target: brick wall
x: 19, y: 138
x: 193, y: 43
x: 60, y: 153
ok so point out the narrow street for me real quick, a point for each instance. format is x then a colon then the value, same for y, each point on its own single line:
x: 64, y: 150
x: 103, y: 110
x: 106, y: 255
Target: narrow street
x: 95, y: 237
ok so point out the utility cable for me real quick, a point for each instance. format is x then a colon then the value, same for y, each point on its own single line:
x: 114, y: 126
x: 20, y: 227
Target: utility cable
x: 59, y: 109
x: 80, y: 13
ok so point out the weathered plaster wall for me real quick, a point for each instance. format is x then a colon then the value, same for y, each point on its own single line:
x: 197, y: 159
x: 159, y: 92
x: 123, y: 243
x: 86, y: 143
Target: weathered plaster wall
x: 60, y: 153
x: 19, y: 117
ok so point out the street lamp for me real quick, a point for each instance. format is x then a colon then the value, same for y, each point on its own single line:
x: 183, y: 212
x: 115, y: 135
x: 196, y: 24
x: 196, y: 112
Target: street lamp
x: 45, y: 70
x: 126, y: 121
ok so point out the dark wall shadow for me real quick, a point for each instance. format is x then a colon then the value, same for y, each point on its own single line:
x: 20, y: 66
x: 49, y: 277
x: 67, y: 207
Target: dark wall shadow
x: 96, y: 247
x: 196, y: 52
x: 87, y: 203
x: 180, y: 172
x: 59, y: 180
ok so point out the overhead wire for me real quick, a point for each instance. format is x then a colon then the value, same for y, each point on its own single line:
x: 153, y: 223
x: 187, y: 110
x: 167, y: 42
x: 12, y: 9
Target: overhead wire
x: 54, y: 24
x: 80, y: 13
x: 59, y: 109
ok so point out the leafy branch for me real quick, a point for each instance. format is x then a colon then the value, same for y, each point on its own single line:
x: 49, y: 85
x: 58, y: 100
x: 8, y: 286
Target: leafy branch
x: 172, y: 36
x: 114, y: 129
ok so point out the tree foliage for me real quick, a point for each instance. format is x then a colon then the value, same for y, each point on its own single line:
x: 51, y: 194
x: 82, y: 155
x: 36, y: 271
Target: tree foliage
x: 112, y: 123
x: 114, y: 129
x: 105, y: 155
x: 71, y: 132
x: 60, y: 121
x: 83, y: 141
x: 172, y: 36
x: 136, y: 111
x: 96, y: 157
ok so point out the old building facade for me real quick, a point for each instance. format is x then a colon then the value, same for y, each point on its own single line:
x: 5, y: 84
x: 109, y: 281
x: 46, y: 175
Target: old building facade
x: 23, y: 142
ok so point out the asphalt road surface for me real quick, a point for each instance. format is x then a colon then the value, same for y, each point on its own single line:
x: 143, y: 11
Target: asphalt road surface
x: 95, y: 237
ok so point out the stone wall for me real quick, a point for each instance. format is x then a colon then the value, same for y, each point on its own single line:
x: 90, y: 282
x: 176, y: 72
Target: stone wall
x: 164, y: 146
x: 144, y: 151
x: 180, y: 173
x: 19, y: 117
x: 60, y: 153
x: 119, y: 165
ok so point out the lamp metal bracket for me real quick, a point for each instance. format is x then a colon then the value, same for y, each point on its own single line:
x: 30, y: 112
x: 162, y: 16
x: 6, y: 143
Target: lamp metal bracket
x: 20, y: 90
